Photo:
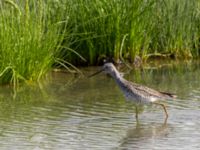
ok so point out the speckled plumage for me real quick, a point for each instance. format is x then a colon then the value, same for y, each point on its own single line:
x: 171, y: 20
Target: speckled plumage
x: 134, y: 92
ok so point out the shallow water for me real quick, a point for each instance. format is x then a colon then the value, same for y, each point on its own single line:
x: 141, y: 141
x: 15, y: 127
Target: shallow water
x: 67, y: 112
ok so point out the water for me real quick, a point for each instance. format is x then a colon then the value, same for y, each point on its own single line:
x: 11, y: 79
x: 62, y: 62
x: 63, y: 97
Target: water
x: 66, y: 112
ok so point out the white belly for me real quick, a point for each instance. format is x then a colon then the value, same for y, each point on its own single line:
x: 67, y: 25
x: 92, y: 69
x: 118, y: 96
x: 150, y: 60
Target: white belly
x: 139, y: 99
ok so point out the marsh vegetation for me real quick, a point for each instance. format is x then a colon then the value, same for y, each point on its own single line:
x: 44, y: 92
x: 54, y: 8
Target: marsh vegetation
x: 36, y: 36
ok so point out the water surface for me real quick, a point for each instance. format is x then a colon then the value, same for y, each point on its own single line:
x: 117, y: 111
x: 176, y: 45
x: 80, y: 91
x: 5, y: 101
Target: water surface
x: 73, y: 113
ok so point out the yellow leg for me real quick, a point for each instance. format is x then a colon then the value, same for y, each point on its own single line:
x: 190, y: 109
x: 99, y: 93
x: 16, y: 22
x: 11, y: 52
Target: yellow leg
x: 163, y: 106
x: 136, y: 112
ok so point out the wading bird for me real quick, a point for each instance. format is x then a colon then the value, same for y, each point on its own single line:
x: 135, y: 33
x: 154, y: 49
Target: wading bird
x: 134, y: 92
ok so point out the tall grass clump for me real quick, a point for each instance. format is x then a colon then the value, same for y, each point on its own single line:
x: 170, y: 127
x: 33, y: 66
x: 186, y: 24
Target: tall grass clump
x: 31, y: 33
x: 176, y: 28
x: 36, y: 34
x: 126, y: 29
x: 112, y: 28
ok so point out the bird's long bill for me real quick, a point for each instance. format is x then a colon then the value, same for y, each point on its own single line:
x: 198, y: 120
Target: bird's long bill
x: 95, y: 73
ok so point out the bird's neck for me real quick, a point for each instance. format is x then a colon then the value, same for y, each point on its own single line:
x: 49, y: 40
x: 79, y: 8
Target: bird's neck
x: 118, y: 78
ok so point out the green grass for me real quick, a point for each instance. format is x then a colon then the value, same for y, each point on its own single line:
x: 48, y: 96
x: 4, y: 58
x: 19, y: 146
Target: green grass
x: 127, y: 28
x: 30, y: 40
x: 37, y: 35
x: 176, y: 28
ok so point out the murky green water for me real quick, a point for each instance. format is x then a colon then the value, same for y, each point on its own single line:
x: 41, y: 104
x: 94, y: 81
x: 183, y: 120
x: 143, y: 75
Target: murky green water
x: 72, y: 113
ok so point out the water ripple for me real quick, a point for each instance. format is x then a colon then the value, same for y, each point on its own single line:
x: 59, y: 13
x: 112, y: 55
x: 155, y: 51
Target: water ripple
x: 91, y: 114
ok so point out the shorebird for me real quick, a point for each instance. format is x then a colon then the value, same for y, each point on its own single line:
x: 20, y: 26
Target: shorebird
x: 139, y: 94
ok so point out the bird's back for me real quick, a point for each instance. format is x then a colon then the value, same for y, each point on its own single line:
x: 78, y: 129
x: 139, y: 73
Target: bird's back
x: 142, y: 94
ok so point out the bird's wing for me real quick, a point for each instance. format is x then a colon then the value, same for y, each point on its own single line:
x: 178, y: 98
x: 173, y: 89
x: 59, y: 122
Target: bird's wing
x: 148, y: 92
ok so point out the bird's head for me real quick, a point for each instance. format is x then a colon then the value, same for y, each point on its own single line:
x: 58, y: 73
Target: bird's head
x: 108, y: 68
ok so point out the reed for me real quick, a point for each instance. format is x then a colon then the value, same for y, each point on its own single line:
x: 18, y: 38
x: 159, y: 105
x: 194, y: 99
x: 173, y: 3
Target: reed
x: 36, y: 35
x: 31, y: 36
x: 135, y: 28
